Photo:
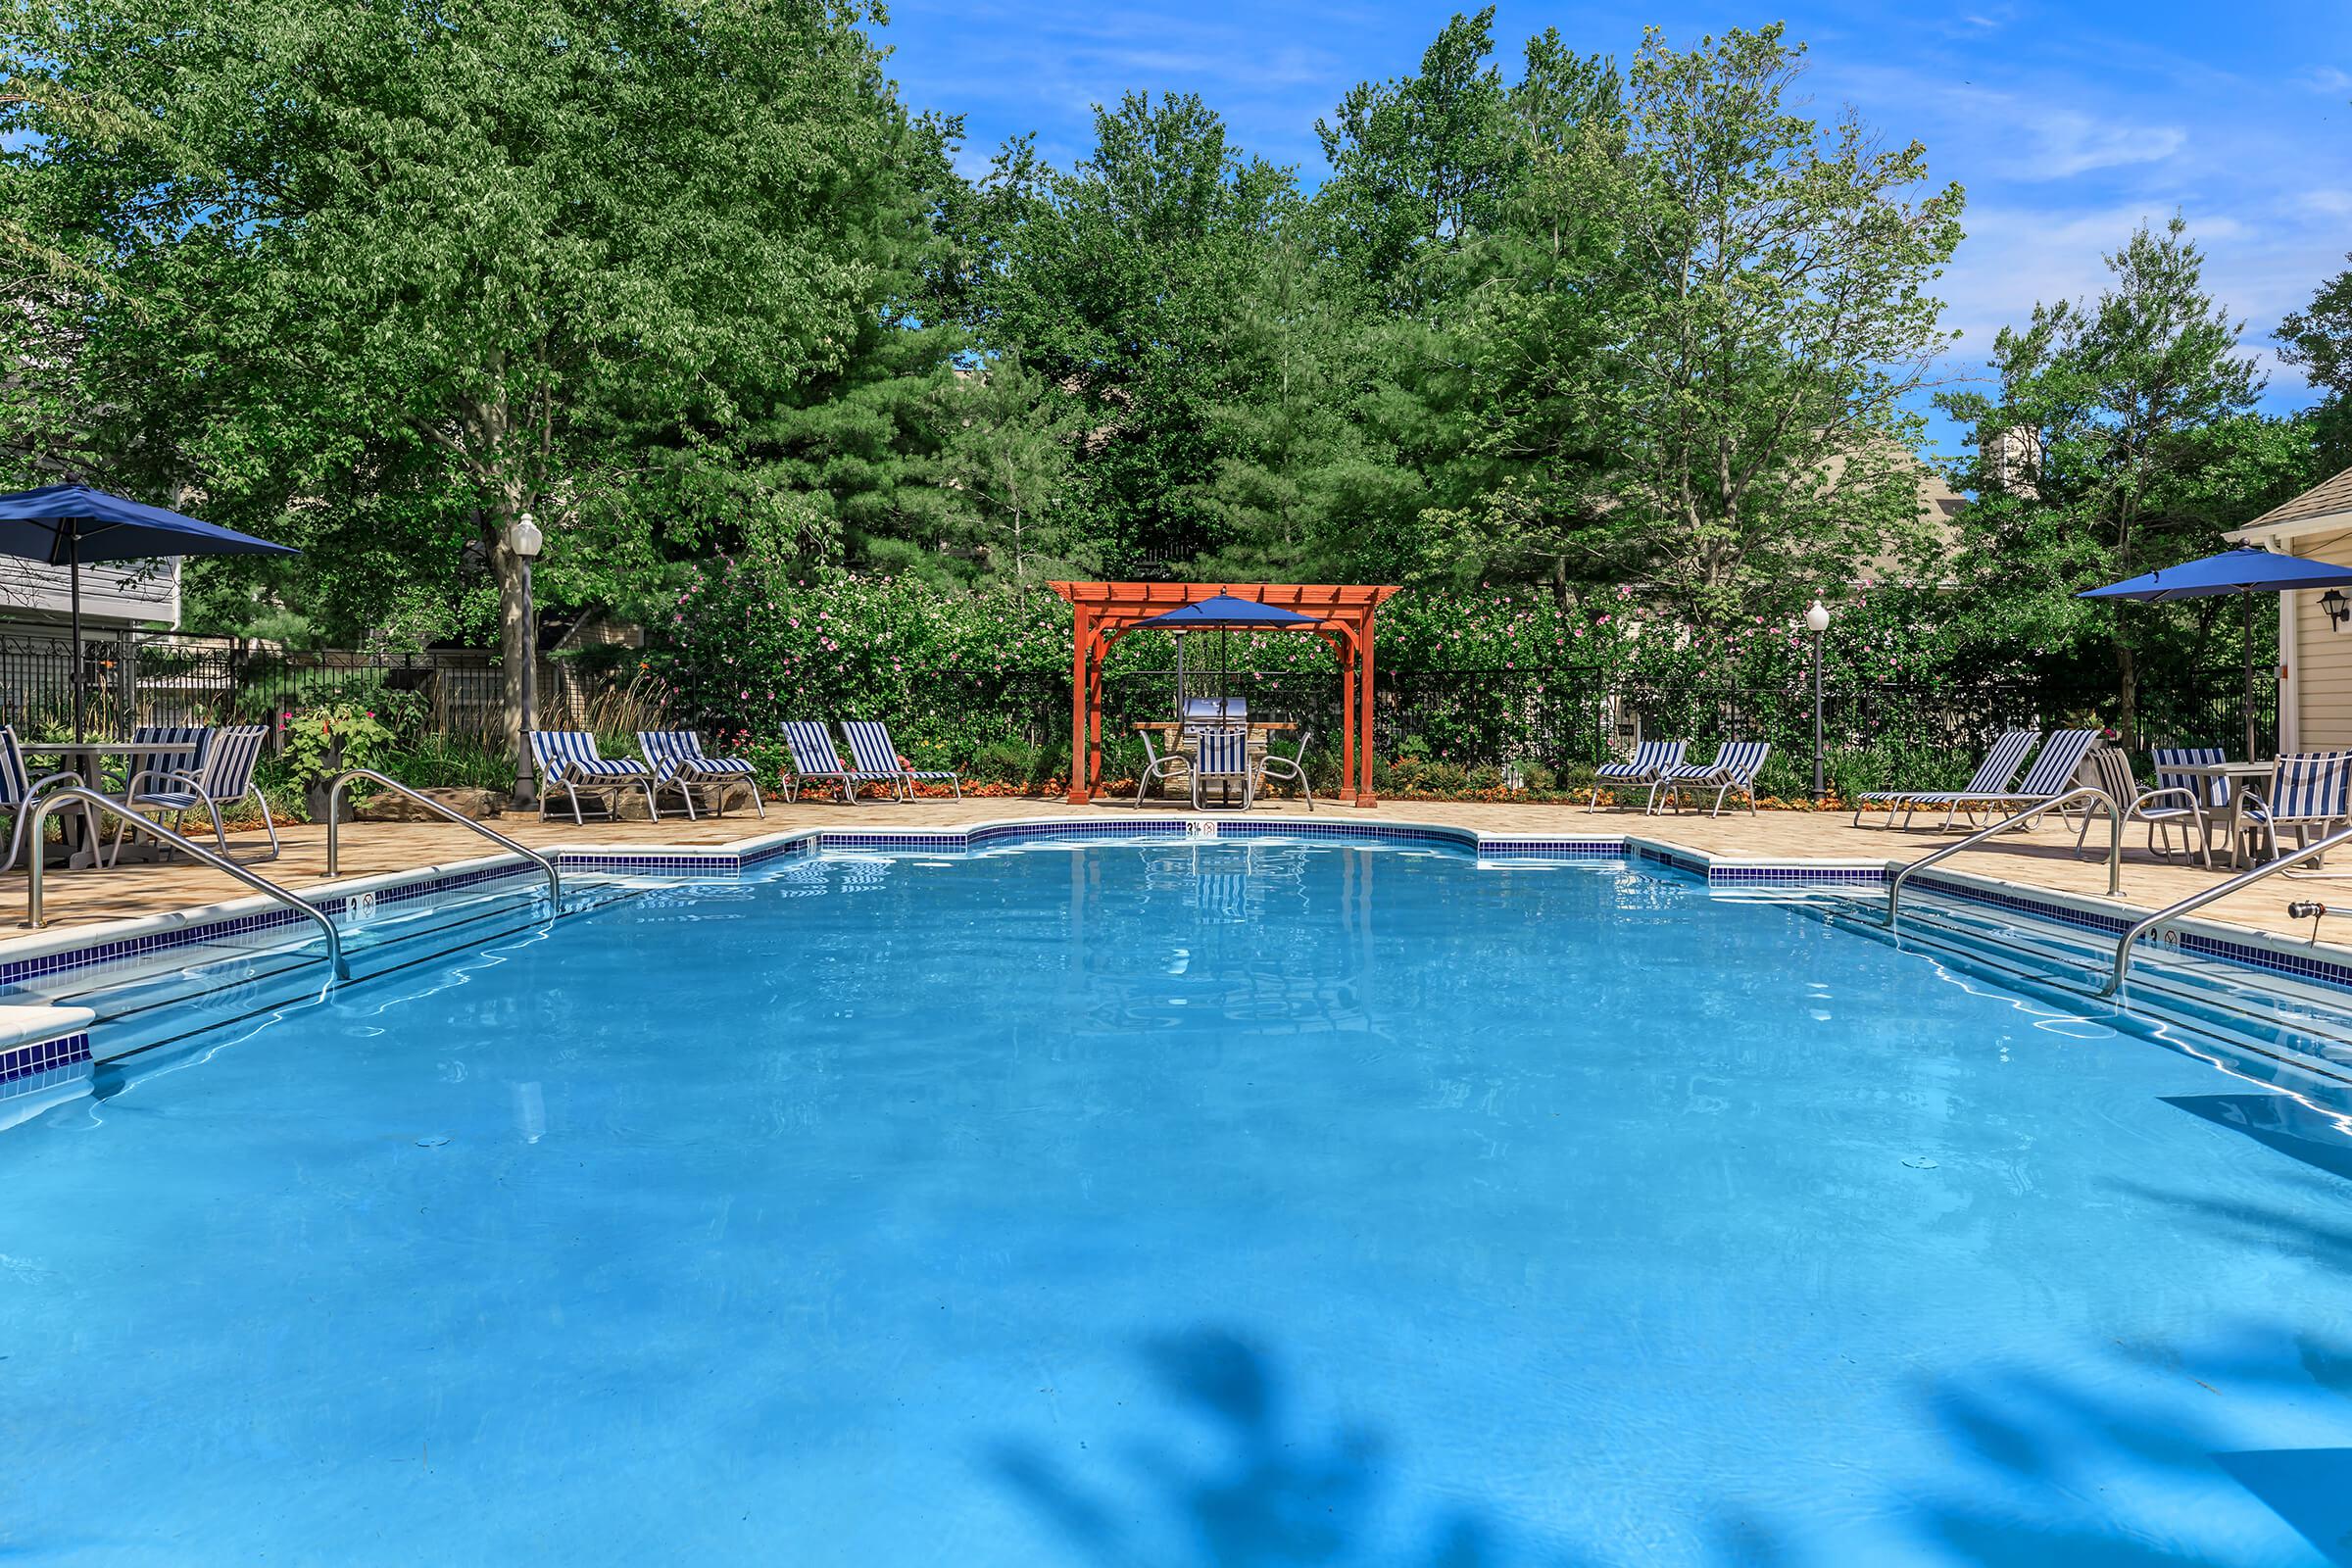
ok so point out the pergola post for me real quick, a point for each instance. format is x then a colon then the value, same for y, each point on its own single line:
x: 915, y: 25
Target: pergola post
x: 1081, y: 666
x: 1363, y: 790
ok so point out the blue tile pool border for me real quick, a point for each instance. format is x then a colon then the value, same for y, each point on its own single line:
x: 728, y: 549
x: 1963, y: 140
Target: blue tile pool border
x: 38, y: 1064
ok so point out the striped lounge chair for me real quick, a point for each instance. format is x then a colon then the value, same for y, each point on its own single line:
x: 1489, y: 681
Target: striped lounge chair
x: 224, y: 778
x: 814, y: 759
x: 2310, y: 792
x: 1735, y: 766
x: 19, y: 789
x: 871, y: 748
x: 1221, y: 757
x: 680, y: 763
x: 1994, y: 776
x: 1652, y: 760
x: 567, y: 759
x: 2053, y: 772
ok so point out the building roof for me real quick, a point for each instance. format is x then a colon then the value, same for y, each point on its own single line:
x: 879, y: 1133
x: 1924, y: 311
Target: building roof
x: 2330, y: 498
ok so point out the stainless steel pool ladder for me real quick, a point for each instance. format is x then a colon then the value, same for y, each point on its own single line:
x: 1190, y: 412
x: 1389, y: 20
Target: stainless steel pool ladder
x: 2086, y: 792
x: 2197, y: 900
x: 91, y: 800
x: 334, y: 814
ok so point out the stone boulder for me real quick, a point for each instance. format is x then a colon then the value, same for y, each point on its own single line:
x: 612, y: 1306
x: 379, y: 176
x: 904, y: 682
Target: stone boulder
x: 387, y: 807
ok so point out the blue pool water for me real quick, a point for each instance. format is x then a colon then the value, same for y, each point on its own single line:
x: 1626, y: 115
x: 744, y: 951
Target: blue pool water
x: 1178, y: 1205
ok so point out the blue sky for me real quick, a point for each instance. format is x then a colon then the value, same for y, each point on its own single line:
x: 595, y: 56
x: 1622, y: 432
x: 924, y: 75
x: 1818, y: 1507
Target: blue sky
x: 2068, y: 124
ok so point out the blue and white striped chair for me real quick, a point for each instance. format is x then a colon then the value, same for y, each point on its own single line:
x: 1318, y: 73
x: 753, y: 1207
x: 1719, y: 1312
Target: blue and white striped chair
x: 2052, y: 773
x: 19, y: 792
x: 873, y: 751
x: 814, y: 758
x: 1995, y: 775
x: 568, y: 759
x: 680, y: 763
x: 1221, y: 757
x: 224, y: 778
x: 1735, y: 766
x: 2310, y: 792
x: 2212, y: 794
x: 1652, y: 760
x: 187, y: 742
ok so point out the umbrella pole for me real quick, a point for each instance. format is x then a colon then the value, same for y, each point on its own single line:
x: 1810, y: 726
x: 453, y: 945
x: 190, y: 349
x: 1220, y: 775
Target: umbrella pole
x: 2247, y: 600
x: 73, y: 576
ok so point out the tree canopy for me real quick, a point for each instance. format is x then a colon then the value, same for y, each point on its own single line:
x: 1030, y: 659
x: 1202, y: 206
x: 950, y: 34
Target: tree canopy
x: 685, y: 280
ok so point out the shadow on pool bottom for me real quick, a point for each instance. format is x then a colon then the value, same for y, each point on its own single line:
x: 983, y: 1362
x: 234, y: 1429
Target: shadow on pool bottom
x: 1285, y: 1491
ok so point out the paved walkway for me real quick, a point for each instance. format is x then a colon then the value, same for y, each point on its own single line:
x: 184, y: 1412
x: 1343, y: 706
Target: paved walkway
x: 2043, y: 857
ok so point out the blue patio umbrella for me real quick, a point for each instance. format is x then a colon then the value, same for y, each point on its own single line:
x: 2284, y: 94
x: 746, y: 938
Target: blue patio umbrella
x: 2244, y: 571
x: 1223, y: 613
x: 67, y: 524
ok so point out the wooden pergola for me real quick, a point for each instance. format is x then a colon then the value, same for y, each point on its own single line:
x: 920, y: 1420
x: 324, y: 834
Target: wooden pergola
x: 1102, y: 612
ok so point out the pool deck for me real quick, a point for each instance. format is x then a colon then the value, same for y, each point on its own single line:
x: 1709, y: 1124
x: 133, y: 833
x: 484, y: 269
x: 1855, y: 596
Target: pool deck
x: 2042, y: 859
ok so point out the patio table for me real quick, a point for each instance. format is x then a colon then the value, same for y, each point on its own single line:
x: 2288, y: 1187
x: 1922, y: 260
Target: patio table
x: 2239, y: 775
x: 88, y: 758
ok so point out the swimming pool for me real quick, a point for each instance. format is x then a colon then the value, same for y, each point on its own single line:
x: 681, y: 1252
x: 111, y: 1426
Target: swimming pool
x: 1172, y: 1203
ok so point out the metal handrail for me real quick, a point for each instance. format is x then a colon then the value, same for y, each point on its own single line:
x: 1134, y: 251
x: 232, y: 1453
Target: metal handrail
x: 2115, y: 842
x: 334, y: 802
x: 2197, y: 900
x: 51, y: 800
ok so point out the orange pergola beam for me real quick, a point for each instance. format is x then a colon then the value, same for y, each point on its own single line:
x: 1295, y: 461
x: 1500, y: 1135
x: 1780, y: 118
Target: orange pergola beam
x: 1103, y: 611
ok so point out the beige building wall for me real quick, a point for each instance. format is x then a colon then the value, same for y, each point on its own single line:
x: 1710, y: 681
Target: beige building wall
x: 2315, y: 699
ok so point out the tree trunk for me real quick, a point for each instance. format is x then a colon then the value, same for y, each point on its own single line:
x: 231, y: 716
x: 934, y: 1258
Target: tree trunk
x: 2126, y: 718
x: 512, y: 641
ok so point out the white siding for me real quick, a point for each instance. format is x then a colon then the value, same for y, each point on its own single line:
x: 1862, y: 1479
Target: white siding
x: 114, y: 593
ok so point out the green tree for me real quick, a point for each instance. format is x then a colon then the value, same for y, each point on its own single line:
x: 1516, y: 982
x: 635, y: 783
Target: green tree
x: 2318, y: 341
x: 490, y: 258
x: 1114, y: 280
x: 1006, y: 469
x: 2122, y: 438
x: 1773, y: 320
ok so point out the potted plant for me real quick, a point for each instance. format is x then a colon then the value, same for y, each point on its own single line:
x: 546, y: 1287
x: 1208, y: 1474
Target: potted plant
x: 322, y: 742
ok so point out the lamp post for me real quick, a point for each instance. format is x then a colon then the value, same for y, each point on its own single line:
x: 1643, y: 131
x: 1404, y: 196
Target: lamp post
x: 1817, y: 621
x: 524, y: 540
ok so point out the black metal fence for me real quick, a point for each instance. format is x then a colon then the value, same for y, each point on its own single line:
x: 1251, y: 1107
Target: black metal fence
x: 129, y: 681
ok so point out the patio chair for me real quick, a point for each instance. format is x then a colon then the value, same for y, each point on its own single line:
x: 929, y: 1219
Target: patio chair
x: 224, y: 779
x: 680, y: 763
x: 814, y: 759
x: 2162, y: 808
x: 1294, y: 767
x: 19, y: 792
x: 2212, y: 794
x: 1994, y: 776
x: 566, y: 758
x: 2310, y: 792
x: 1735, y: 766
x: 1650, y: 762
x: 871, y: 748
x: 1158, y: 766
x: 1221, y: 757
x: 189, y: 739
